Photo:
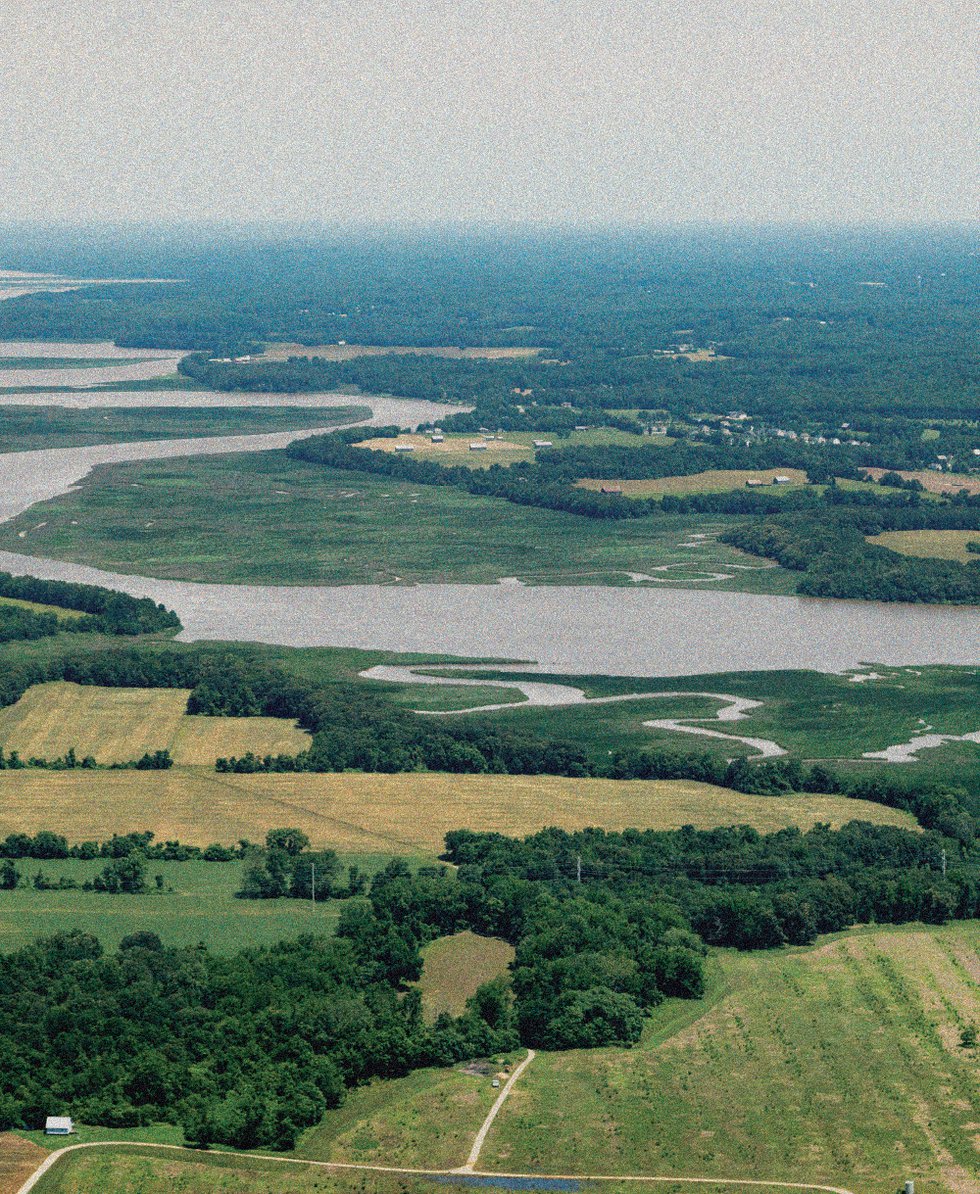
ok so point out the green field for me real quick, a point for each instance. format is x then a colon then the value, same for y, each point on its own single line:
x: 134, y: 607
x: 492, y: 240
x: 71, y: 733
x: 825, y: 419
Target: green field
x: 197, y: 904
x: 148, y: 1171
x: 262, y: 518
x: 25, y: 428
x: 839, y: 1064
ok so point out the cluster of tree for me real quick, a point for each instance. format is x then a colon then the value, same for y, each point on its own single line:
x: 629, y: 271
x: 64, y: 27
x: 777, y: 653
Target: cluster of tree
x: 122, y: 875
x: 245, y: 1050
x: 107, y: 612
x: 287, y: 867
x: 831, y: 550
x: 47, y: 844
x: 157, y: 760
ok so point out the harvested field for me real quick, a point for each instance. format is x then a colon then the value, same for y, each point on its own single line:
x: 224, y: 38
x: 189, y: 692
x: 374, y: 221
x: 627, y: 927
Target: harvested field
x: 938, y: 545
x: 933, y: 481
x: 455, y: 966
x: 348, y: 352
x: 118, y: 725
x: 710, y: 481
x: 399, y: 814
x: 18, y: 1160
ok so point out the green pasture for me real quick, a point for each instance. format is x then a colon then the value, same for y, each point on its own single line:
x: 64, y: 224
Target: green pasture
x: 263, y: 518
x: 197, y: 904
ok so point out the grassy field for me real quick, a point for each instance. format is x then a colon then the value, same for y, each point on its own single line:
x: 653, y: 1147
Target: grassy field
x: 66, y: 615
x: 940, y: 545
x: 394, y: 814
x: 454, y: 968
x: 711, y: 481
x: 25, y: 428
x: 149, y: 1171
x: 839, y: 1064
x: 197, y: 904
x: 507, y: 448
x: 118, y: 725
x: 428, y: 1118
x: 69, y: 362
x: 261, y: 517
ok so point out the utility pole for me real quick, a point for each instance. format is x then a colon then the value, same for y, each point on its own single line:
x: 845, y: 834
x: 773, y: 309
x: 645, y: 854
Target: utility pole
x: 578, y: 868
x: 313, y: 883
x: 944, y: 864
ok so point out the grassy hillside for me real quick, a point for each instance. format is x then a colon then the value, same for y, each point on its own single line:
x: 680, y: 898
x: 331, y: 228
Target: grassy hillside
x: 408, y: 813
x: 117, y: 725
x: 839, y: 1064
x: 263, y: 518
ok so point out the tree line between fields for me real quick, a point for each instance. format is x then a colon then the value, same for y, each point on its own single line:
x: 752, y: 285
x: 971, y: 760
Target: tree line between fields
x: 819, y: 532
x: 357, y: 728
x: 248, y: 1050
x: 103, y: 610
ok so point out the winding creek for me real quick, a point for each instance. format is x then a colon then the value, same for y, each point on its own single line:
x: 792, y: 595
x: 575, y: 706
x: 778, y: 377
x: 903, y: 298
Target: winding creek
x: 642, y: 631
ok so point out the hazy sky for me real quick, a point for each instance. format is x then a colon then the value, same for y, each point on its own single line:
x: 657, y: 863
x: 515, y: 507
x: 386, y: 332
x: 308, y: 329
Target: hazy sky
x: 506, y: 110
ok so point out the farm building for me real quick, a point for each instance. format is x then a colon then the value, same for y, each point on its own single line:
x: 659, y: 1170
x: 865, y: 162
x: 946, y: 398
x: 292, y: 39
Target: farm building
x: 611, y: 489
x: 404, y: 447
x: 782, y: 480
x: 58, y: 1125
x: 438, y: 439
x: 543, y: 443
x: 752, y: 482
x: 478, y: 447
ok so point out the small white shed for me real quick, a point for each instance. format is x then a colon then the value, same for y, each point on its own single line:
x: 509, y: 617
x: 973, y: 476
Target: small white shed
x: 58, y: 1125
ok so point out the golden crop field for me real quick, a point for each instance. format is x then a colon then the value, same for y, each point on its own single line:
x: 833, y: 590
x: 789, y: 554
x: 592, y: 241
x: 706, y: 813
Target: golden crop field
x: 18, y: 1160
x: 399, y: 814
x: 710, y: 481
x: 348, y: 352
x: 453, y: 968
x: 939, y: 545
x: 118, y: 725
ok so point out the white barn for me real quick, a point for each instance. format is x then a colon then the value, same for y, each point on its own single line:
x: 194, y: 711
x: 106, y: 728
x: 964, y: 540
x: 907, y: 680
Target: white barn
x: 58, y: 1125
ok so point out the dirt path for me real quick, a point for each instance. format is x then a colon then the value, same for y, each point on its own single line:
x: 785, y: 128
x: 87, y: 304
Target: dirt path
x: 54, y: 1157
x: 481, y: 1136
x: 541, y: 694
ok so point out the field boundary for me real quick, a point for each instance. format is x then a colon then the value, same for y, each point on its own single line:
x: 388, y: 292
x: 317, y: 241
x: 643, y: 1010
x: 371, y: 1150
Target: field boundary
x: 50, y: 1161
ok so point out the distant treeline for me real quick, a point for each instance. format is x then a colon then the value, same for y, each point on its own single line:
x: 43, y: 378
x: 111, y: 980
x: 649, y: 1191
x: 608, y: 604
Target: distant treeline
x: 47, y: 845
x: 107, y: 612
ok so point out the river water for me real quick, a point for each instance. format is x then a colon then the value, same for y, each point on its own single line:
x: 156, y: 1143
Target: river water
x: 576, y: 629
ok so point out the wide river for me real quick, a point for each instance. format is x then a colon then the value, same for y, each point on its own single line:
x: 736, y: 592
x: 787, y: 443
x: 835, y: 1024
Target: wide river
x: 642, y: 631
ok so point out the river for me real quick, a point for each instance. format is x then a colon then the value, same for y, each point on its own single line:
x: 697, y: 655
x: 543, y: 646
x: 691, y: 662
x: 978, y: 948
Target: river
x: 576, y: 629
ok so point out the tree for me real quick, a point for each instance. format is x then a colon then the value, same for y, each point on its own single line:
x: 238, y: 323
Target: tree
x: 122, y: 876
x: 290, y: 841
x: 9, y: 875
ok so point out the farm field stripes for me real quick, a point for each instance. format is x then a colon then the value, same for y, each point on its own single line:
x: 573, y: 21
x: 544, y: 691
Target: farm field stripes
x: 766, y: 1080
x: 406, y: 813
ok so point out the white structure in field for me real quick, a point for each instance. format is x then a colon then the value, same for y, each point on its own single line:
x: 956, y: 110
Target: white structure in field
x: 58, y: 1125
